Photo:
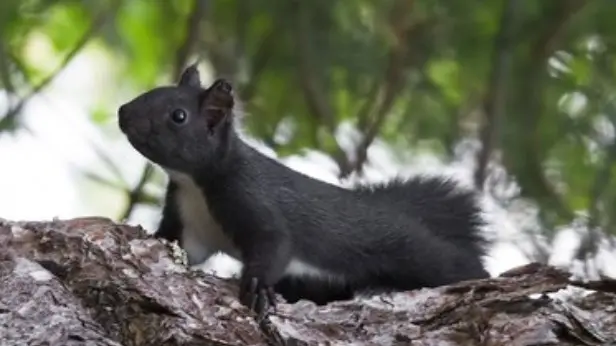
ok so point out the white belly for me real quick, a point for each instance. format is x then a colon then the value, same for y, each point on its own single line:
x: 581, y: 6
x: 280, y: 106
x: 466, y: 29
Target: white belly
x: 299, y: 268
x: 202, y: 236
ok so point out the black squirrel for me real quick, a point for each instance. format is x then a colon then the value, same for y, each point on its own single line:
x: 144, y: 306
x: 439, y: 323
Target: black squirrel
x: 295, y: 235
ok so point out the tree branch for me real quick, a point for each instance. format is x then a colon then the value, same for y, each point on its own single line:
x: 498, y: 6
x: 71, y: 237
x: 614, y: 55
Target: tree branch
x: 602, y: 179
x: 363, y: 115
x: 260, y: 61
x: 379, y: 106
x: 590, y: 240
x: 547, y: 43
x: 192, y: 33
x: 9, y: 119
x: 532, y: 90
x: 494, y: 103
x: 315, y: 97
x: 135, y: 195
x: 5, y: 74
x: 242, y: 17
x: 316, y: 100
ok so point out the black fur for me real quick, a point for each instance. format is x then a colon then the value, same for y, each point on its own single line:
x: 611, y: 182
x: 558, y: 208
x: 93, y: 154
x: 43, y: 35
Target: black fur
x: 400, y: 235
x: 170, y: 223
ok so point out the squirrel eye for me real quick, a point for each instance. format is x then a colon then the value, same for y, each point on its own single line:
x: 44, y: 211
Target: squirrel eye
x: 179, y: 116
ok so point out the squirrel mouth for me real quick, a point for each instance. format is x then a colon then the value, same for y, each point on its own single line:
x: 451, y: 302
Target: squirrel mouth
x: 136, y: 140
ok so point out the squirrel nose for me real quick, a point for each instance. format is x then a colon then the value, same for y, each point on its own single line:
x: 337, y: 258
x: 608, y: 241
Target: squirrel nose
x: 122, y: 111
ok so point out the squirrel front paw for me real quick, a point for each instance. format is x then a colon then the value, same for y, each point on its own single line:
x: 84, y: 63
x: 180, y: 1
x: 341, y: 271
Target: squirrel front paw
x: 257, y: 296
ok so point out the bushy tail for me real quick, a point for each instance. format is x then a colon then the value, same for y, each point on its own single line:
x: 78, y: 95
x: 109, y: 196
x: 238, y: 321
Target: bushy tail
x: 443, y: 206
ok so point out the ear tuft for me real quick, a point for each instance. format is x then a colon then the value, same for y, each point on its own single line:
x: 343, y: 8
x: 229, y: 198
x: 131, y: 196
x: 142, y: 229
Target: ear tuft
x: 222, y: 85
x: 220, y: 95
x: 190, y: 77
x: 219, y: 102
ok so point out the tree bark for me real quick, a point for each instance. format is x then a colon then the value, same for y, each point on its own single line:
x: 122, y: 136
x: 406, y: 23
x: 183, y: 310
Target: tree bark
x: 90, y: 281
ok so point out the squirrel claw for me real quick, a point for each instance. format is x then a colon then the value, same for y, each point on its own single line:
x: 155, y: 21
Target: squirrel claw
x: 258, y: 297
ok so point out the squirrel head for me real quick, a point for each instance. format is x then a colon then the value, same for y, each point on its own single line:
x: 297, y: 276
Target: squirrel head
x: 184, y: 127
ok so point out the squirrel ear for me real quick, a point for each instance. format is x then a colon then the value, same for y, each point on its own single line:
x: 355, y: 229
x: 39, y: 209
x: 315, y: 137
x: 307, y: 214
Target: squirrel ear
x: 190, y: 77
x: 218, y: 103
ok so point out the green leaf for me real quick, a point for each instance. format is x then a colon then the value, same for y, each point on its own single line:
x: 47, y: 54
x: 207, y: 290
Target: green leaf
x: 66, y: 24
x: 580, y: 70
x: 445, y: 74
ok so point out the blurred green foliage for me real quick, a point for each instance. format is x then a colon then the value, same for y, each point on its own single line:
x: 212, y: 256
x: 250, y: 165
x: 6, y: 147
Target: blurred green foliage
x: 509, y: 73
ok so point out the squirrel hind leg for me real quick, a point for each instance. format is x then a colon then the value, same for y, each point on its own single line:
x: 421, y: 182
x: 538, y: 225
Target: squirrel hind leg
x: 319, y: 291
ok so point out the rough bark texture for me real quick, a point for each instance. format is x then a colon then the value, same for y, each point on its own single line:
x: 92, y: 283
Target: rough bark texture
x: 91, y: 281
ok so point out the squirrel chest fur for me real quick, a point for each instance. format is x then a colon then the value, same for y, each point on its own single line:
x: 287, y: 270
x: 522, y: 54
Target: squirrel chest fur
x: 201, y: 235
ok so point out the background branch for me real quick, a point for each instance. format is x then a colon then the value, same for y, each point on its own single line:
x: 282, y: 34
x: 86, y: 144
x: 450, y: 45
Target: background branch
x: 260, y: 62
x: 135, y: 194
x: 5, y: 71
x: 590, y: 240
x: 316, y: 100
x: 379, y: 105
x: 8, y: 121
x: 495, y: 100
x: 530, y: 159
x: 197, y: 14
